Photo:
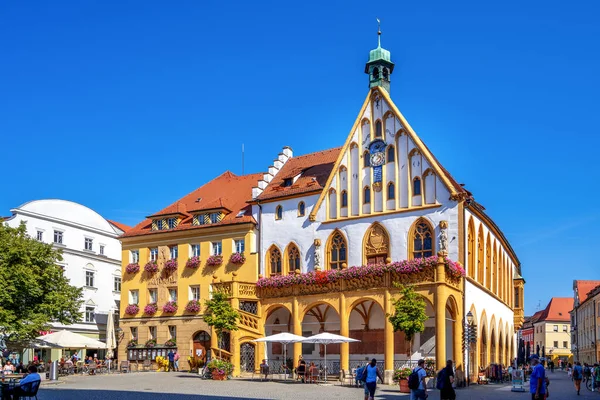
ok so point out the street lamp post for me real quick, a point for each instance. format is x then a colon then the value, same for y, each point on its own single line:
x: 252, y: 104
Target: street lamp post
x: 470, y: 337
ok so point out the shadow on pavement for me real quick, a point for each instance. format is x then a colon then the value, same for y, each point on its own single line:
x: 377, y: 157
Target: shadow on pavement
x: 92, y: 394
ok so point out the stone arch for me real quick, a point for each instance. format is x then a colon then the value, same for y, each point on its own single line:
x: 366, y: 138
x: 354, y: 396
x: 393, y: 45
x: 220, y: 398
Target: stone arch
x: 421, y: 234
x: 480, y: 256
x: 488, y: 262
x: 366, y: 323
x: 483, y: 340
x: 471, y: 248
x: 494, y: 269
x: 278, y: 319
x: 473, y: 349
x: 317, y: 305
x: 376, y: 245
x: 337, y: 250
x: 493, y: 340
x: 321, y: 316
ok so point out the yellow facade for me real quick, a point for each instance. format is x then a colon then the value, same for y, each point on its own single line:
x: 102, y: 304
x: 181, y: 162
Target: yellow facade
x: 186, y: 324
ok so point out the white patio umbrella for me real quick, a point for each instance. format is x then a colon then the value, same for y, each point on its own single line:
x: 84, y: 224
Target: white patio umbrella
x: 111, y: 340
x: 68, y: 339
x: 326, y: 338
x: 284, y: 338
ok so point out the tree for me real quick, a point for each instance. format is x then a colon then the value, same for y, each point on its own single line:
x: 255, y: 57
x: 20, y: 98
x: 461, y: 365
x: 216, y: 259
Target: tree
x: 34, y: 290
x: 220, y: 315
x: 409, y: 316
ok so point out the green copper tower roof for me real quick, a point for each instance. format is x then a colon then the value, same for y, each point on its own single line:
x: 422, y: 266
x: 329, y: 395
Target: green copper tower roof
x: 380, y: 65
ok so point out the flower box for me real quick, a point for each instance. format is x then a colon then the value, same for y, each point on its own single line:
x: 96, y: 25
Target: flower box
x: 193, y: 306
x: 151, y: 267
x: 171, y: 265
x: 132, y: 309
x: 151, y: 309
x: 237, y: 258
x: 151, y: 343
x: 132, y: 268
x: 214, y: 261
x: 132, y: 343
x: 170, y: 307
x: 171, y: 343
x: 193, y: 262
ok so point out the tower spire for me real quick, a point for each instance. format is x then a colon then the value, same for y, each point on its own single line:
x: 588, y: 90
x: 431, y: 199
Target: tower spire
x: 380, y: 65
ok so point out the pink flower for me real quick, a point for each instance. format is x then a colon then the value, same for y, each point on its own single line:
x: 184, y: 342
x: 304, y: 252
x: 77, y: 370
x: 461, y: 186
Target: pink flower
x: 170, y: 307
x: 237, y: 258
x: 132, y: 268
x: 171, y: 265
x: 193, y: 262
x: 214, y: 261
x: 151, y: 267
x: 151, y: 309
x: 193, y: 306
x: 132, y: 309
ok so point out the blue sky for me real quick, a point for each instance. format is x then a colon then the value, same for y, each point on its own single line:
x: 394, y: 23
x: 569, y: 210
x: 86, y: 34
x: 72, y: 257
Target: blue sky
x: 126, y: 106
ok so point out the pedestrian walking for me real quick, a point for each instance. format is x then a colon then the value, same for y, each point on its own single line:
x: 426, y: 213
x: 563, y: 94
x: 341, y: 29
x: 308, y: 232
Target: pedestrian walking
x: 416, y: 382
x: 176, y: 360
x: 369, y: 376
x: 537, y: 380
x: 445, y: 379
x: 577, y: 376
x: 596, y: 381
x: 171, y: 357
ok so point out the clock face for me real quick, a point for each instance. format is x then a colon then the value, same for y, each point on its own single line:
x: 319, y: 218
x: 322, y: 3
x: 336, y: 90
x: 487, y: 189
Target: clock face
x: 377, y: 159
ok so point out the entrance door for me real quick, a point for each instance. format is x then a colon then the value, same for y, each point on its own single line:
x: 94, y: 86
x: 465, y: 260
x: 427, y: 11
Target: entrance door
x: 247, y: 357
x: 202, y: 345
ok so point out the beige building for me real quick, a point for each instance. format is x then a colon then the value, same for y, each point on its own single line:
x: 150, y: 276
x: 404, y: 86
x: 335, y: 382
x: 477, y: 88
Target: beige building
x: 586, y: 327
x: 551, y: 330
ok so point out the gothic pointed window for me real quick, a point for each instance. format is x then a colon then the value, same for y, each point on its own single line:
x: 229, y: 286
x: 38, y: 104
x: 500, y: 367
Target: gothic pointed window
x: 344, y: 200
x: 293, y: 256
x: 417, y: 186
x: 366, y: 195
x: 391, y: 154
x: 275, y: 261
x: 337, y: 250
x: 301, y: 209
x: 391, y: 191
x: 278, y: 212
x: 366, y: 159
x: 378, y: 129
x: 421, y: 239
x: 377, y: 245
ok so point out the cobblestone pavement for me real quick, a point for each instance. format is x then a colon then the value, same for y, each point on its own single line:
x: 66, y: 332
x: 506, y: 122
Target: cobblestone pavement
x: 185, y: 386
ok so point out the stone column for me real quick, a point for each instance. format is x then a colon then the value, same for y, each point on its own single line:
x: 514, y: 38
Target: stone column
x: 389, y: 340
x: 297, y: 323
x: 235, y: 351
x: 440, y: 312
x: 344, y: 331
x: 459, y: 354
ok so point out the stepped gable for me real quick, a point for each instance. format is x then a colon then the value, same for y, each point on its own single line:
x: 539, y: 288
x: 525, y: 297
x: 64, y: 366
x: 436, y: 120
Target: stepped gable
x: 227, y: 192
x: 308, y: 172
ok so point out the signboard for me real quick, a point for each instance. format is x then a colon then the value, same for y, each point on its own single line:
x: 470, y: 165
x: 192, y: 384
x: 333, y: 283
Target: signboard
x: 517, y: 380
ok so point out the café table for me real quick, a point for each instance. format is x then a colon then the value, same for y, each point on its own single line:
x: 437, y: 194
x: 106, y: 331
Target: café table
x: 9, y: 381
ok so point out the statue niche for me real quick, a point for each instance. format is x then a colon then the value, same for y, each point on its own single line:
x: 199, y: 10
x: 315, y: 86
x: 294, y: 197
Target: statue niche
x: 377, y: 245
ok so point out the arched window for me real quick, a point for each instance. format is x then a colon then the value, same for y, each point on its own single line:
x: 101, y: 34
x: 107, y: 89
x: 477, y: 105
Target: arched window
x: 480, y: 255
x: 301, y: 209
x: 344, y: 200
x: 391, y: 154
x: 375, y: 73
x: 385, y: 73
x: 378, y: 129
x: 495, y: 271
x: 471, y: 243
x: 391, y: 191
x: 278, y: 212
x: 293, y: 257
x: 275, y: 261
x: 376, y: 245
x: 366, y: 195
x: 417, y: 186
x: 337, y: 250
x: 366, y: 159
x: 422, y: 239
x: 488, y: 263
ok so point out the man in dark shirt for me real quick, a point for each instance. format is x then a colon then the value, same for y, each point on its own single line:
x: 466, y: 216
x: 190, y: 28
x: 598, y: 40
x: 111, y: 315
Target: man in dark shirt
x: 171, y: 357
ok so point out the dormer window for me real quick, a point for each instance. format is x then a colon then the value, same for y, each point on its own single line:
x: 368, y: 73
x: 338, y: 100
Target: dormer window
x: 172, y: 223
x: 287, y: 182
x: 214, y: 218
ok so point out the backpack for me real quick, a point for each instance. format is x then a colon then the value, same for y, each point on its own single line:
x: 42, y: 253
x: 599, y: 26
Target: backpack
x: 413, y: 379
x: 576, y: 374
x: 441, y: 379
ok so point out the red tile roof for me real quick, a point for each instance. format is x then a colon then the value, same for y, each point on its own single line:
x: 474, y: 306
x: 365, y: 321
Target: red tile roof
x: 558, y: 310
x: 583, y: 288
x: 313, y: 168
x: 119, y: 225
x: 227, y: 191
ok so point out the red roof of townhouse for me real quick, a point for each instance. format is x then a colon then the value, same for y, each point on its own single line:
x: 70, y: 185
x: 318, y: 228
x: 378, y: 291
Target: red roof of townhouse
x: 585, y: 287
x: 119, y: 225
x: 311, y: 170
x: 228, y: 192
x: 558, y: 309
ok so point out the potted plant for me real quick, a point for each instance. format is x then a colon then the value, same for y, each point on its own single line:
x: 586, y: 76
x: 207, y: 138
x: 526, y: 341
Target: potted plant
x: 132, y: 343
x: 171, y: 265
x: 401, y: 376
x: 132, y: 268
x: 237, y: 258
x: 219, y: 369
x: 195, y: 363
x: 151, y: 267
x: 170, y: 307
x: 132, y: 309
x: 214, y: 261
x: 193, y: 262
x: 151, y: 309
x: 151, y: 343
x: 171, y: 343
x: 193, y: 306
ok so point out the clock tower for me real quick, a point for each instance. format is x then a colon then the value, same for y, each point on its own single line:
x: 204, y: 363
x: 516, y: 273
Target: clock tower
x: 380, y: 66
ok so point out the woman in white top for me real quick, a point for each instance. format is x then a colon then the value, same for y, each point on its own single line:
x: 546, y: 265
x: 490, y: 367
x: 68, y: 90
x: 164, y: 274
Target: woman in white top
x: 9, y: 368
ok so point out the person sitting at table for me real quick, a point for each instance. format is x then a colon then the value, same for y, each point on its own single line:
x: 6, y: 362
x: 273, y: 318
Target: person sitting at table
x: 20, y: 368
x: 313, y: 373
x: 264, y: 368
x: 24, y: 385
x: 9, y: 368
